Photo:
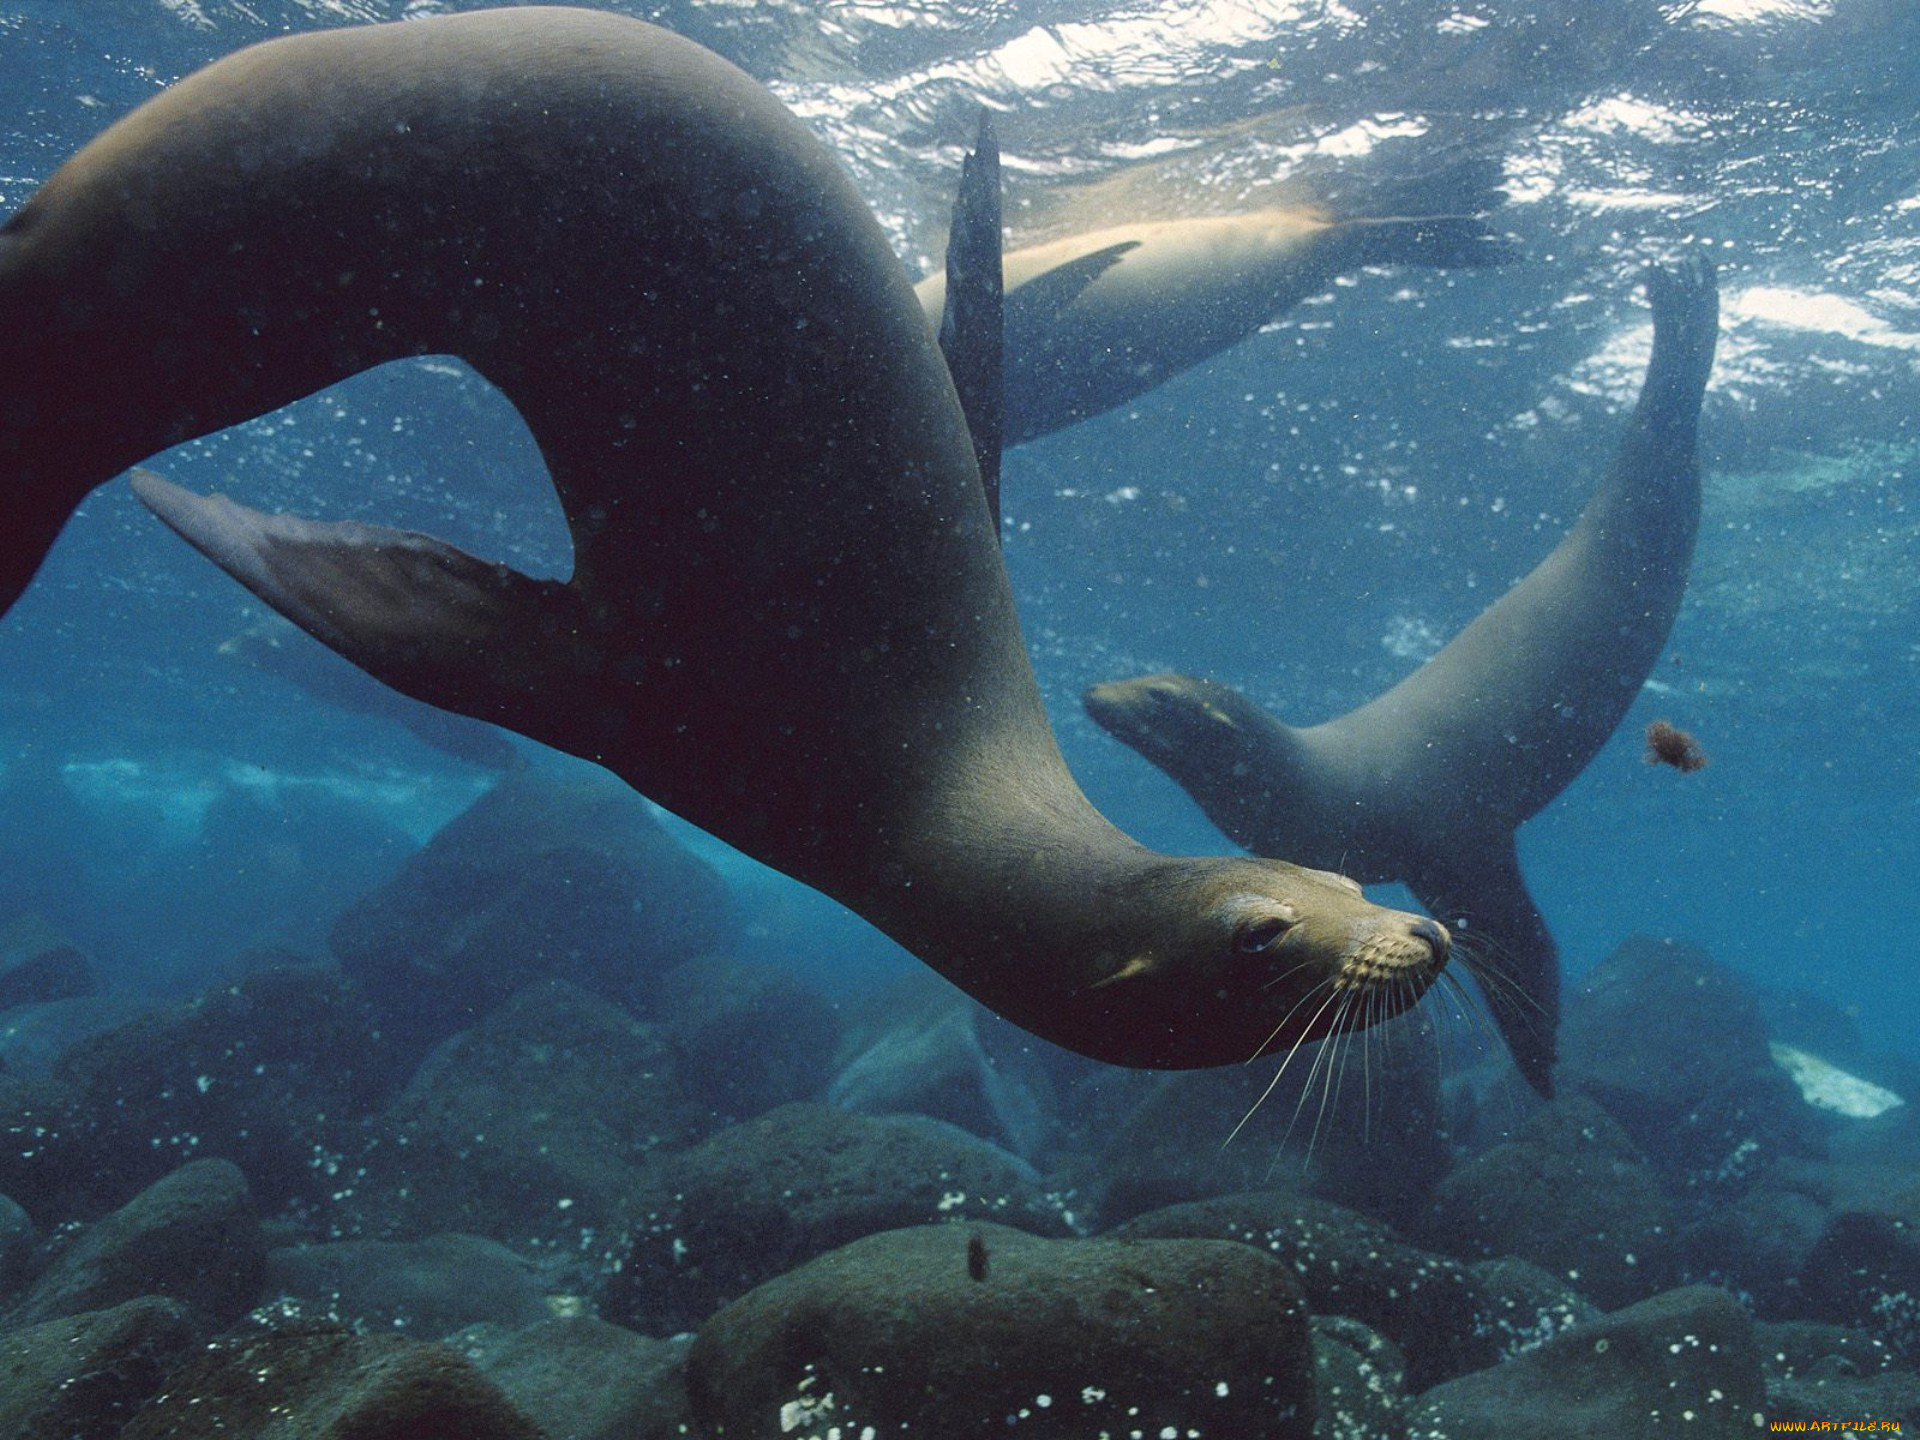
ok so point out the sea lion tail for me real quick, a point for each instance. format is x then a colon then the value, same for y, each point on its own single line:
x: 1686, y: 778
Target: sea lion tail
x: 425, y: 617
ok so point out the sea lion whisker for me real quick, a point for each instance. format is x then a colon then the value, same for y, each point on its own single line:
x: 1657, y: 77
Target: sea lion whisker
x: 1333, y: 995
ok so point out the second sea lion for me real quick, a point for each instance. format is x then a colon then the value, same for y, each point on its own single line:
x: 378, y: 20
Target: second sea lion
x: 1427, y: 783
x: 1096, y: 319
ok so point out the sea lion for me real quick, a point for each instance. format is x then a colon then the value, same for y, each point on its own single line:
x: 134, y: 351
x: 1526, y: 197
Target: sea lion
x: 1095, y: 319
x: 1427, y: 783
x: 788, y: 619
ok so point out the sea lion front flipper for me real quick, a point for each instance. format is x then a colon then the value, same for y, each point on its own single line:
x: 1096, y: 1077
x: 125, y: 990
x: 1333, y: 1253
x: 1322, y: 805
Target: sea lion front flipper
x: 1483, y: 897
x: 973, y: 325
x: 427, y: 618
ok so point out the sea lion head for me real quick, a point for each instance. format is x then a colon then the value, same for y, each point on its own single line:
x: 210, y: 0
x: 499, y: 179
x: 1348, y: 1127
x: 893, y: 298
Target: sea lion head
x: 1165, y: 717
x: 1234, y: 958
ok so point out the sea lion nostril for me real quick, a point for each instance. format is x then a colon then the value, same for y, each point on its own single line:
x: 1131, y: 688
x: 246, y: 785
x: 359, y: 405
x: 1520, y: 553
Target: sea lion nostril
x: 1435, y: 934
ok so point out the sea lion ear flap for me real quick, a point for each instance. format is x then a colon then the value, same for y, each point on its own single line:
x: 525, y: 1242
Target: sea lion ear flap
x: 425, y: 617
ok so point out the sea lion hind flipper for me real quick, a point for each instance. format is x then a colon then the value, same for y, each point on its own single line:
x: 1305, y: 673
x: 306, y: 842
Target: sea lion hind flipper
x: 972, y: 327
x: 419, y: 614
x: 1482, y: 896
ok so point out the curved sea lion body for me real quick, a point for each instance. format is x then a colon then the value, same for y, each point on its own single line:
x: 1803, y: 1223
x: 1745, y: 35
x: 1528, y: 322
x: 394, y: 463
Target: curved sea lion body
x: 1427, y: 783
x: 788, y: 620
x: 1096, y: 319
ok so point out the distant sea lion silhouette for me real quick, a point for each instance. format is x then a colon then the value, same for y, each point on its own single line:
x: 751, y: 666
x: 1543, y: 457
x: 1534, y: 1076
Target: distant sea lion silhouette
x: 788, y: 620
x: 1427, y: 783
x: 1097, y: 319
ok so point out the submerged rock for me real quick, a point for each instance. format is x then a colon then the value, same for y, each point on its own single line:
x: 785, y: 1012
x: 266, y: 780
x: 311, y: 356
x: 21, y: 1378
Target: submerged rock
x: 565, y: 876
x: 38, y: 964
x: 1360, y: 1380
x: 271, y: 1072
x: 745, y: 1037
x: 922, y: 1048
x: 428, y: 1288
x: 192, y: 1237
x: 1346, y: 1264
x: 1573, y: 1196
x: 583, y: 1379
x: 83, y: 1376
x: 530, y: 1128
x: 1685, y: 1363
x: 762, y: 1197
x: 321, y: 1380
x: 965, y: 1330
x: 1674, y: 1045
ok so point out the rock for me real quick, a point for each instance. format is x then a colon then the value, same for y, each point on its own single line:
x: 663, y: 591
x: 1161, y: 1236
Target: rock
x: 762, y: 1197
x: 1758, y: 1246
x: 1525, y: 1305
x: 428, y: 1288
x: 892, y: 1335
x: 529, y: 1128
x: 1683, y: 1363
x: 38, y: 964
x: 1570, y: 1194
x: 1183, y: 1139
x: 34, y: 1037
x: 46, y: 1165
x: 192, y: 1237
x: 1828, y: 1373
x: 329, y: 1384
x: 1360, y: 1380
x: 745, y: 1037
x: 922, y: 1050
x: 565, y: 876
x: 583, y: 1379
x: 82, y: 1377
x: 1674, y: 1045
x: 1864, y: 1271
x: 1347, y: 1264
x: 271, y: 1072
x: 16, y: 1244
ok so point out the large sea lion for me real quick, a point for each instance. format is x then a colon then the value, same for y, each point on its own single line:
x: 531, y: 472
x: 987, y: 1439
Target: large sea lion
x: 788, y: 620
x: 1427, y: 783
x: 1095, y: 319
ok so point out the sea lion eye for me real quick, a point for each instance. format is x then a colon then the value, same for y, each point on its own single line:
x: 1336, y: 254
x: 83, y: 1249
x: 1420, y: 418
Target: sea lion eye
x: 1252, y: 938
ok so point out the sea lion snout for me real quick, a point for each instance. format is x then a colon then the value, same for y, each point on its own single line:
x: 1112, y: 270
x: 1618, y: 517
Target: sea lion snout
x: 1435, y: 934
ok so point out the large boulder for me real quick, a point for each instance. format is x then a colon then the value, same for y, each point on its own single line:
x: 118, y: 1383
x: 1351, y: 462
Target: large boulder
x: 530, y: 1128
x: 565, y: 876
x: 192, y: 1237
x: 759, y: 1198
x: 1685, y: 1362
x: 980, y: 1330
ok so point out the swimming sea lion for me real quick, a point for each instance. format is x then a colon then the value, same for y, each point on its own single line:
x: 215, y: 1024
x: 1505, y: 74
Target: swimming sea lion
x: 1096, y: 319
x: 1427, y: 783
x: 788, y: 619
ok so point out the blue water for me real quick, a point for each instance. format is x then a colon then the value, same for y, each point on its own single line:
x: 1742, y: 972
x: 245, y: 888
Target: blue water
x: 1306, y: 517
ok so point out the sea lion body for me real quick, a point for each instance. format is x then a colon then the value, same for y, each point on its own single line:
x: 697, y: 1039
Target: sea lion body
x: 1427, y: 782
x: 1094, y: 320
x: 788, y: 620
